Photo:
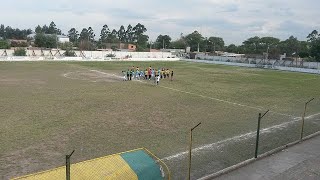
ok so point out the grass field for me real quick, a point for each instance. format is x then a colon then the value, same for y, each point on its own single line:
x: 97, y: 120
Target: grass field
x: 47, y: 109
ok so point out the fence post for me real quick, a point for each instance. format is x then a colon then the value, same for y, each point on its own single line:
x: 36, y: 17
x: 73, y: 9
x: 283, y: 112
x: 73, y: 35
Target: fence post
x: 190, y: 149
x: 303, y: 115
x: 258, y: 134
x: 257, y: 139
x: 68, y: 165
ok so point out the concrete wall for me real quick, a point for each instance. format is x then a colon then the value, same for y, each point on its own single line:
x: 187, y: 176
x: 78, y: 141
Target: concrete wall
x: 93, y: 54
x: 308, y: 65
x: 282, y: 68
x: 31, y: 58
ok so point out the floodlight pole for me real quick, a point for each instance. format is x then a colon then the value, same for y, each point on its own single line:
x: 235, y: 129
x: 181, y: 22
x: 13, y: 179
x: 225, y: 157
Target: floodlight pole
x: 190, y: 149
x: 258, y: 133
x: 68, y: 165
x: 303, y: 115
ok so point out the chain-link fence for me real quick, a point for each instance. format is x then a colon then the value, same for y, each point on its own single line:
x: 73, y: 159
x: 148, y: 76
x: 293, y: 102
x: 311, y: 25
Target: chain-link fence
x: 275, y: 131
x: 135, y: 164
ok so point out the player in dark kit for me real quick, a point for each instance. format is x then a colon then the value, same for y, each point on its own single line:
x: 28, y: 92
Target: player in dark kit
x: 131, y: 72
x: 128, y: 74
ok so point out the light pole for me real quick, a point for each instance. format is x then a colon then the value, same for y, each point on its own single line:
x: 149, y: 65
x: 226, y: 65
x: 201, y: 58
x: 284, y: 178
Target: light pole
x: 190, y: 149
x: 162, y: 43
x: 268, y: 53
x: 206, y: 47
x: 303, y: 115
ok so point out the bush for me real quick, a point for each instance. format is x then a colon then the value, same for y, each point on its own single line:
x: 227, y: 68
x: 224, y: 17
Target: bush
x: 19, y: 44
x: 65, y: 46
x: 69, y: 53
x: 20, y: 52
x: 253, y: 62
x: 45, y: 40
x: 4, y: 44
x: 110, y: 55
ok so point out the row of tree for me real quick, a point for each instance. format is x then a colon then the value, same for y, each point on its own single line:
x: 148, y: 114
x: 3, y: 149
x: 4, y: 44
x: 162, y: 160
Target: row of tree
x: 46, y: 36
x: 271, y: 46
x: 86, y: 38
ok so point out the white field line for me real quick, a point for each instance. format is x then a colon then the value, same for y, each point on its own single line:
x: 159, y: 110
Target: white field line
x: 108, y: 74
x: 207, y: 97
x: 233, y: 73
x: 310, y: 79
x: 229, y: 102
x: 238, y: 138
x: 66, y: 75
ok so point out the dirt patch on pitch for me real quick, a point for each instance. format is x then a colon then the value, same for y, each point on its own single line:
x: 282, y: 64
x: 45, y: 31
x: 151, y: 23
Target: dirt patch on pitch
x: 93, y: 76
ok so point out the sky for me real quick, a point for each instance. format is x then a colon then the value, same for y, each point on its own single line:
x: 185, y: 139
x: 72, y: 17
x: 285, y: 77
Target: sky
x: 233, y: 20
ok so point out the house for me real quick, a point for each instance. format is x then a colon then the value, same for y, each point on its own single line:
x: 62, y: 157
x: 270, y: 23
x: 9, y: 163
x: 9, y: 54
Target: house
x: 126, y: 47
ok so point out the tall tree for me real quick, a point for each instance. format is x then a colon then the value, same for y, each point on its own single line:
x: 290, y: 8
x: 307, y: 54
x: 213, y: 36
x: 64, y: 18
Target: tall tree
x: 87, y: 39
x: 194, y: 39
x: 113, y: 36
x: 163, y: 41
x: 38, y: 29
x: 215, y: 44
x: 270, y: 45
x: 290, y: 46
x: 52, y: 29
x: 122, y: 34
x: 178, y: 44
x: 139, y: 37
x: 313, y: 36
x: 73, y: 35
x: 46, y: 41
x: 91, y: 34
x: 84, y: 35
x: 314, y: 39
x: 45, y: 29
x: 232, y: 48
x: 2, y: 31
x: 129, y: 34
x: 105, y: 32
x: 251, y: 45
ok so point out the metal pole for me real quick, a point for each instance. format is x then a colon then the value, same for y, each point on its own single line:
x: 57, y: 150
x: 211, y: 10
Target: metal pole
x: 303, y: 115
x: 257, y: 139
x: 162, y: 43
x: 190, y: 149
x: 68, y: 165
x: 258, y: 133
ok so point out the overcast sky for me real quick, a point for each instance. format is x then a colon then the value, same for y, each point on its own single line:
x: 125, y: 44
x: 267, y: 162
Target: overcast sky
x: 234, y: 20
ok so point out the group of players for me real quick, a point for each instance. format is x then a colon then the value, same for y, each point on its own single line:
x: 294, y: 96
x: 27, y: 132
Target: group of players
x: 134, y: 73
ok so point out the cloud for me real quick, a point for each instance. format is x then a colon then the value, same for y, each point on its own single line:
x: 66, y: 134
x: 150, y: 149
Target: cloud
x: 234, y: 20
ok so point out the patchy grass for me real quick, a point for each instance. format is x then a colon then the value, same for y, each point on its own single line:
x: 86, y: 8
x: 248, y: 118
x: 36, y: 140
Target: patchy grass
x: 46, y: 112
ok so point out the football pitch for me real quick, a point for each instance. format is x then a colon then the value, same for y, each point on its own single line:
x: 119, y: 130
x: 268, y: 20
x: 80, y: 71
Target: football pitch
x: 48, y: 109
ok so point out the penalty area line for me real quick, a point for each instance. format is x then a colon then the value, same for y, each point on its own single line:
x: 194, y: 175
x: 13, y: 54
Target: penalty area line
x: 206, y: 97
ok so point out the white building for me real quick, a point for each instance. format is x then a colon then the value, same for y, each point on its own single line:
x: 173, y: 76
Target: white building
x: 60, y: 38
x: 63, y: 39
